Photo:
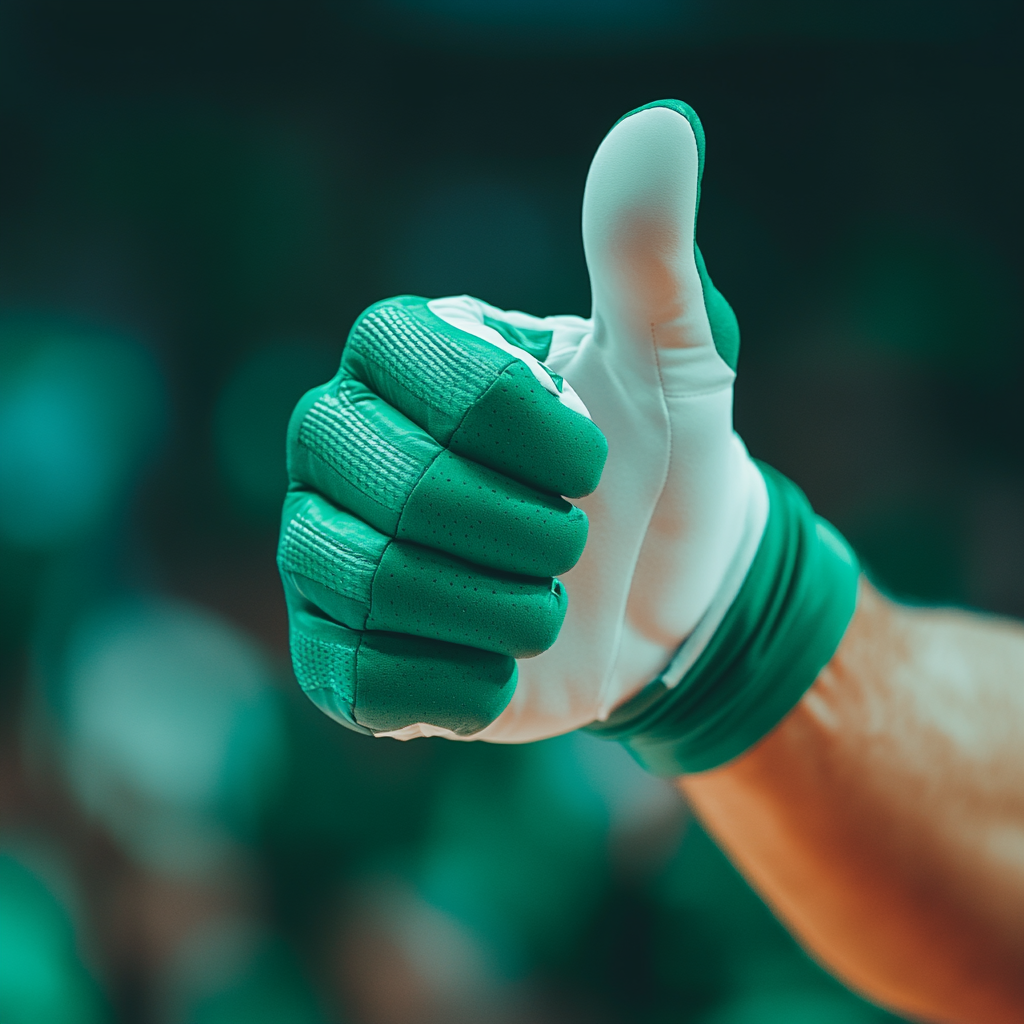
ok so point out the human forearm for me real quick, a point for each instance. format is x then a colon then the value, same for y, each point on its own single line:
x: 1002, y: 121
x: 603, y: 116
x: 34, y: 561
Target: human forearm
x: 883, y: 820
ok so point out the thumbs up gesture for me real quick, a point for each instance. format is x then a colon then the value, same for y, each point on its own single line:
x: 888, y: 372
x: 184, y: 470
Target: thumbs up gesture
x: 506, y: 527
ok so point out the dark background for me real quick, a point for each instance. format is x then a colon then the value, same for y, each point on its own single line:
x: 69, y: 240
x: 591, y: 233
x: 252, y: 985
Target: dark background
x: 196, y: 199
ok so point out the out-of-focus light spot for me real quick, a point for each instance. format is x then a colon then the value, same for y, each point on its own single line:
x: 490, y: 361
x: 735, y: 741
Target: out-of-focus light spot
x: 252, y: 413
x: 402, y: 960
x: 635, y: 799
x: 478, y: 236
x: 42, y: 980
x: 518, y: 849
x: 800, y: 1007
x: 646, y: 815
x: 76, y: 413
x: 175, y: 735
x: 232, y: 973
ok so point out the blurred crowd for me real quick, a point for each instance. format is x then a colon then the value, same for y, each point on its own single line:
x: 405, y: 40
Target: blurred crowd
x: 195, y: 202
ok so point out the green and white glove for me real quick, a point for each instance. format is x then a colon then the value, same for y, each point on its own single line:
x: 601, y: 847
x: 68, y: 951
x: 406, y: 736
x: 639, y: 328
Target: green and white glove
x: 439, y: 583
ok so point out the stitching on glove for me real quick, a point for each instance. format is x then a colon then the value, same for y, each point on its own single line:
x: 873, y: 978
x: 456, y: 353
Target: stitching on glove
x: 311, y: 553
x: 316, y: 664
x: 400, y: 346
x: 334, y: 431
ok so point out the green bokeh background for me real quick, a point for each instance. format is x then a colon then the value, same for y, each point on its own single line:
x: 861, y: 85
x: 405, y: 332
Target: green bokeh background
x: 222, y: 187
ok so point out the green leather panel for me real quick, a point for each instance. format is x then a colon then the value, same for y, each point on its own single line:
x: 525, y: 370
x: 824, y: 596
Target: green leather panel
x: 537, y: 343
x: 428, y: 594
x: 353, y: 447
x: 365, y: 580
x: 405, y: 679
x: 520, y: 429
x: 477, y: 514
x: 329, y: 545
x: 421, y: 365
x: 378, y: 682
x: 366, y: 458
x: 473, y: 398
x: 323, y: 658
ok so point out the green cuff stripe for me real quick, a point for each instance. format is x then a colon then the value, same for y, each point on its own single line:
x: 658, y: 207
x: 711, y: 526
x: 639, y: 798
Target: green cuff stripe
x: 783, y: 628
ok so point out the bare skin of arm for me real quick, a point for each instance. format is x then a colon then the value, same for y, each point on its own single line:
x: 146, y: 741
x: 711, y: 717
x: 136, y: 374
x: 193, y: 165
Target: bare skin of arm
x: 883, y: 820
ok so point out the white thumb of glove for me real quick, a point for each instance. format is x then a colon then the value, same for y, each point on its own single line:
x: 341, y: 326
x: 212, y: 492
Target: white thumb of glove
x: 680, y: 510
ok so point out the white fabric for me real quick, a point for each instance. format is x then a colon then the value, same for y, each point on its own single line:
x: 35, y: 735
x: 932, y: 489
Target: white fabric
x: 680, y: 510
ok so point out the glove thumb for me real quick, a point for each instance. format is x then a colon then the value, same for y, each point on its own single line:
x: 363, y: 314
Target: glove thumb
x: 647, y: 276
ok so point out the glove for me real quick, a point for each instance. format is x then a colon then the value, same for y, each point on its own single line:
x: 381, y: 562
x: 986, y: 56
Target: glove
x: 438, y: 581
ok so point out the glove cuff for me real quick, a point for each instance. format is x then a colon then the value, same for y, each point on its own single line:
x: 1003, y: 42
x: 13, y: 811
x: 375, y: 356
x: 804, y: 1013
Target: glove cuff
x: 783, y: 627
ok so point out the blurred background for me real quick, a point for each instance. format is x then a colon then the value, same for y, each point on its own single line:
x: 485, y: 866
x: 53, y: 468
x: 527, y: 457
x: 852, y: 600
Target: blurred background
x: 196, y: 199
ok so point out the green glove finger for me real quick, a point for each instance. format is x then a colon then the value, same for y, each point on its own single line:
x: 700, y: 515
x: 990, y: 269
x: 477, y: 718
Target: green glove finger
x: 347, y: 443
x: 380, y: 682
x: 353, y: 447
x: 368, y: 581
x: 474, y: 398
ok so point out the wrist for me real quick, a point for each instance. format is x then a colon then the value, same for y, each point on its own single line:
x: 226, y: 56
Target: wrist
x: 733, y: 680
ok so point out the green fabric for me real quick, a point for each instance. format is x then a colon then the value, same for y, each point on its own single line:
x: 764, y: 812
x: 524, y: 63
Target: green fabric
x: 472, y: 512
x: 473, y: 398
x: 332, y: 549
x: 378, y: 682
x: 784, y: 626
x: 347, y: 444
x: 365, y: 580
x: 344, y: 442
x: 516, y: 420
x: 537, y: 343
x: 428, y: 594
x: 424, y: 523
x: 725, y: 328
